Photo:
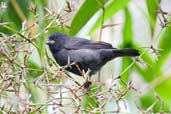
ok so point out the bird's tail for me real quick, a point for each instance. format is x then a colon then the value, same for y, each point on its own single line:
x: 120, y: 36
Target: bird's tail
x: 126, y: 52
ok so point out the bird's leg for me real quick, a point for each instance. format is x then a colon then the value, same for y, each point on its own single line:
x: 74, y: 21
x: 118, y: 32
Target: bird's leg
x: 79, y: 69
x: 69, y: 62
x: 86, y: 87
x: 87, y: 83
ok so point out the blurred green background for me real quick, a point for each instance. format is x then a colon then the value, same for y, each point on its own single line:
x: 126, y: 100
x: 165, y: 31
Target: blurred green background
x: 33, y: 83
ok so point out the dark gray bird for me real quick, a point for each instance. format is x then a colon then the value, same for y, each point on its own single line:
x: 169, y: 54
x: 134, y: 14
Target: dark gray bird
x: 86, y: 54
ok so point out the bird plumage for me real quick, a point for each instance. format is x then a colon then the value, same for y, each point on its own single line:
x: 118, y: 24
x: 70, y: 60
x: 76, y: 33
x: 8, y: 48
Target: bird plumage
x: 86, y: 54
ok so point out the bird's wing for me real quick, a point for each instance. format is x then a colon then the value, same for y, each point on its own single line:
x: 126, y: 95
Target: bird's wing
x: 89, y: 45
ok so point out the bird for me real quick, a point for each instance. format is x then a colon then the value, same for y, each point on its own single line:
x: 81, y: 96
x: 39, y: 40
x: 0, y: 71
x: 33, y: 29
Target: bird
x: 86, y: 55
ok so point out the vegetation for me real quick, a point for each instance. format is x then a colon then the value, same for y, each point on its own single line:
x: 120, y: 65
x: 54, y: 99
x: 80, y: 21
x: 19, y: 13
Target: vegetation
x: 32, y: 82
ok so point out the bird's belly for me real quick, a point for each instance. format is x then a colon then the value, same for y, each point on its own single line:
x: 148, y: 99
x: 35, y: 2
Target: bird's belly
x: 84, y: 59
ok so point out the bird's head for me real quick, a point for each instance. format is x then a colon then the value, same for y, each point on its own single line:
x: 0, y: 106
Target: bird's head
x: 56, y: 41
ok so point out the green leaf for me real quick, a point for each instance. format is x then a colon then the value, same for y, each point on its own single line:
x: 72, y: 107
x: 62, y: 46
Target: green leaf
x: 163, y: 88
x: 127, y: 41
x: 90, y: 101
x: 87, y: 10
x: 90, y: 8
x: 34, y: 69
x: 165, y: 46
x: 152, y: 6
x: 155, y: 66
x: 110, y: 10
x: 127, y: 29
x: 41, y: 20
x: 148, y: 99
x: 15, y: 13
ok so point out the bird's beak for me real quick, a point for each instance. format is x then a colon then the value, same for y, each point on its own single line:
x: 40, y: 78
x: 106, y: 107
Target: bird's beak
x: 48, y: 41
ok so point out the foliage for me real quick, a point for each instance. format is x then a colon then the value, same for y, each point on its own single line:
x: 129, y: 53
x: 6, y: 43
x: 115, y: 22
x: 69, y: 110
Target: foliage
x: 32, y: 82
